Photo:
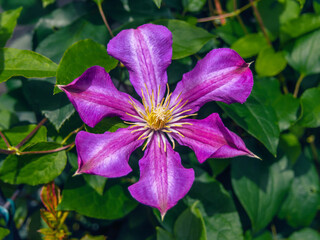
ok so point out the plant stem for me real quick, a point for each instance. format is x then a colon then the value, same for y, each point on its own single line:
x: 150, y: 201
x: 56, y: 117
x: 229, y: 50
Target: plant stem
x: 104, y: 19
x: 31, y: 133
x: 231, y: 14
x: 49, y: 151
x: 283, y: 83
x: 258, y: 16
x: 239, y: 18
x: 296, y: 89
x: 211, y: 10
x: 5, y: 139
x: 3, y: 151
x: 219, y: 10
x: 70, y: 134
x: 274, y: 232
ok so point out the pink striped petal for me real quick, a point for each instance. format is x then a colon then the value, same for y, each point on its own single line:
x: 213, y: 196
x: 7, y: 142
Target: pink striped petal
x: 146, y: 52
x: 94, y: 97
x: 222, y: 75
x: 106, y: 154
x: 163, y: 180
x: 209, y: 138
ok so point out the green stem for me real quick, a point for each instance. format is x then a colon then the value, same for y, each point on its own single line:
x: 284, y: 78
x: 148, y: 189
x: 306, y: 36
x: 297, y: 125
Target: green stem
x: 70, y: 134
x: 31, y: 133
x: 258, y: 16
x: 297, y: 87
x: 104, y: 19
x: 5, y: 139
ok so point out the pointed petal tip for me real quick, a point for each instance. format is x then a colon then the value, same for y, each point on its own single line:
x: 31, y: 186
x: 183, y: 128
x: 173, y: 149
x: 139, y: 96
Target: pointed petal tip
x: 163, y: 214
x: 254, y: 156
x: 60, y: 86
x: 77, y: 173
x: 249, y: 64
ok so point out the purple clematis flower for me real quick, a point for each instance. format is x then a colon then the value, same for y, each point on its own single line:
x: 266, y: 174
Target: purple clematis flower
x: 222, y: 75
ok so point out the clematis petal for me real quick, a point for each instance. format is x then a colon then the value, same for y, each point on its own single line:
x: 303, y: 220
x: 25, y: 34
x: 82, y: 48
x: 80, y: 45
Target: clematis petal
x: 163, y: 180
x: 94, y: 97
x: 222, y: 75
x: 106, y: 154
x: 146, y: 52
x: 209, y: 138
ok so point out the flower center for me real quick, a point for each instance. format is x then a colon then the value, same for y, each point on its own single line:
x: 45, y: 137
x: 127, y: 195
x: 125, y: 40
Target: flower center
x: 158, y: 117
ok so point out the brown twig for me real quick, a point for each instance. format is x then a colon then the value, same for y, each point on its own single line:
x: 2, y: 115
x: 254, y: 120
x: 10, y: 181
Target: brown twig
x: 232, y: 14
x: 104, y: 19
x: 31, y: 133
x: 49, y: 151
x: 258, y: 16
x: 219, y: 11
x: 211, y: 10
x: 5, y: 139
x: 3, y: 151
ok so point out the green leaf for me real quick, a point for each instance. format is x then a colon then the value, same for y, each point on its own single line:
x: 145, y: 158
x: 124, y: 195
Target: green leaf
x: 310, y: 113
x: 285, y: 106
x: 57, y: 43
x: 110, y: 124
x: 7, y: 119
x: 261, y: 187
x: 270, y: 63
x: 306, y: 23
x: 301, y: 205
x: 193, y: 5
x: 250, y: 45
x: 57, y: 108
x: 291, y: 11
x: 316, y: 6
x: 190, y: 225
x: 17, y: 134
x: 230, y: 32
x: 291, y: 146
x: 265, y: 236
x: 302, y: 2
x: 59, y: 18
x: 32, y: 9
x: 34, y: 169
x: 96, y: 182
x: 113, y: 204
x: 271, y: 11
x: 46, y: 3
x: 219, y: 212
x: 8, y: 21
x: 25, y: 63
x: 157, y: 3
x: 305, y: 234
x: 304, y: 54
x: 4, y: 232
x: 79, y: 57
x: 257, y: 119
x: 187, y: 39
x: 163, y: 234
x: 218, y: 165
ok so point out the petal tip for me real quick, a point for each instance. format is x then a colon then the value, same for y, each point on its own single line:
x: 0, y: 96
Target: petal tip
x: 77, y: 173
x: 163, y: 214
